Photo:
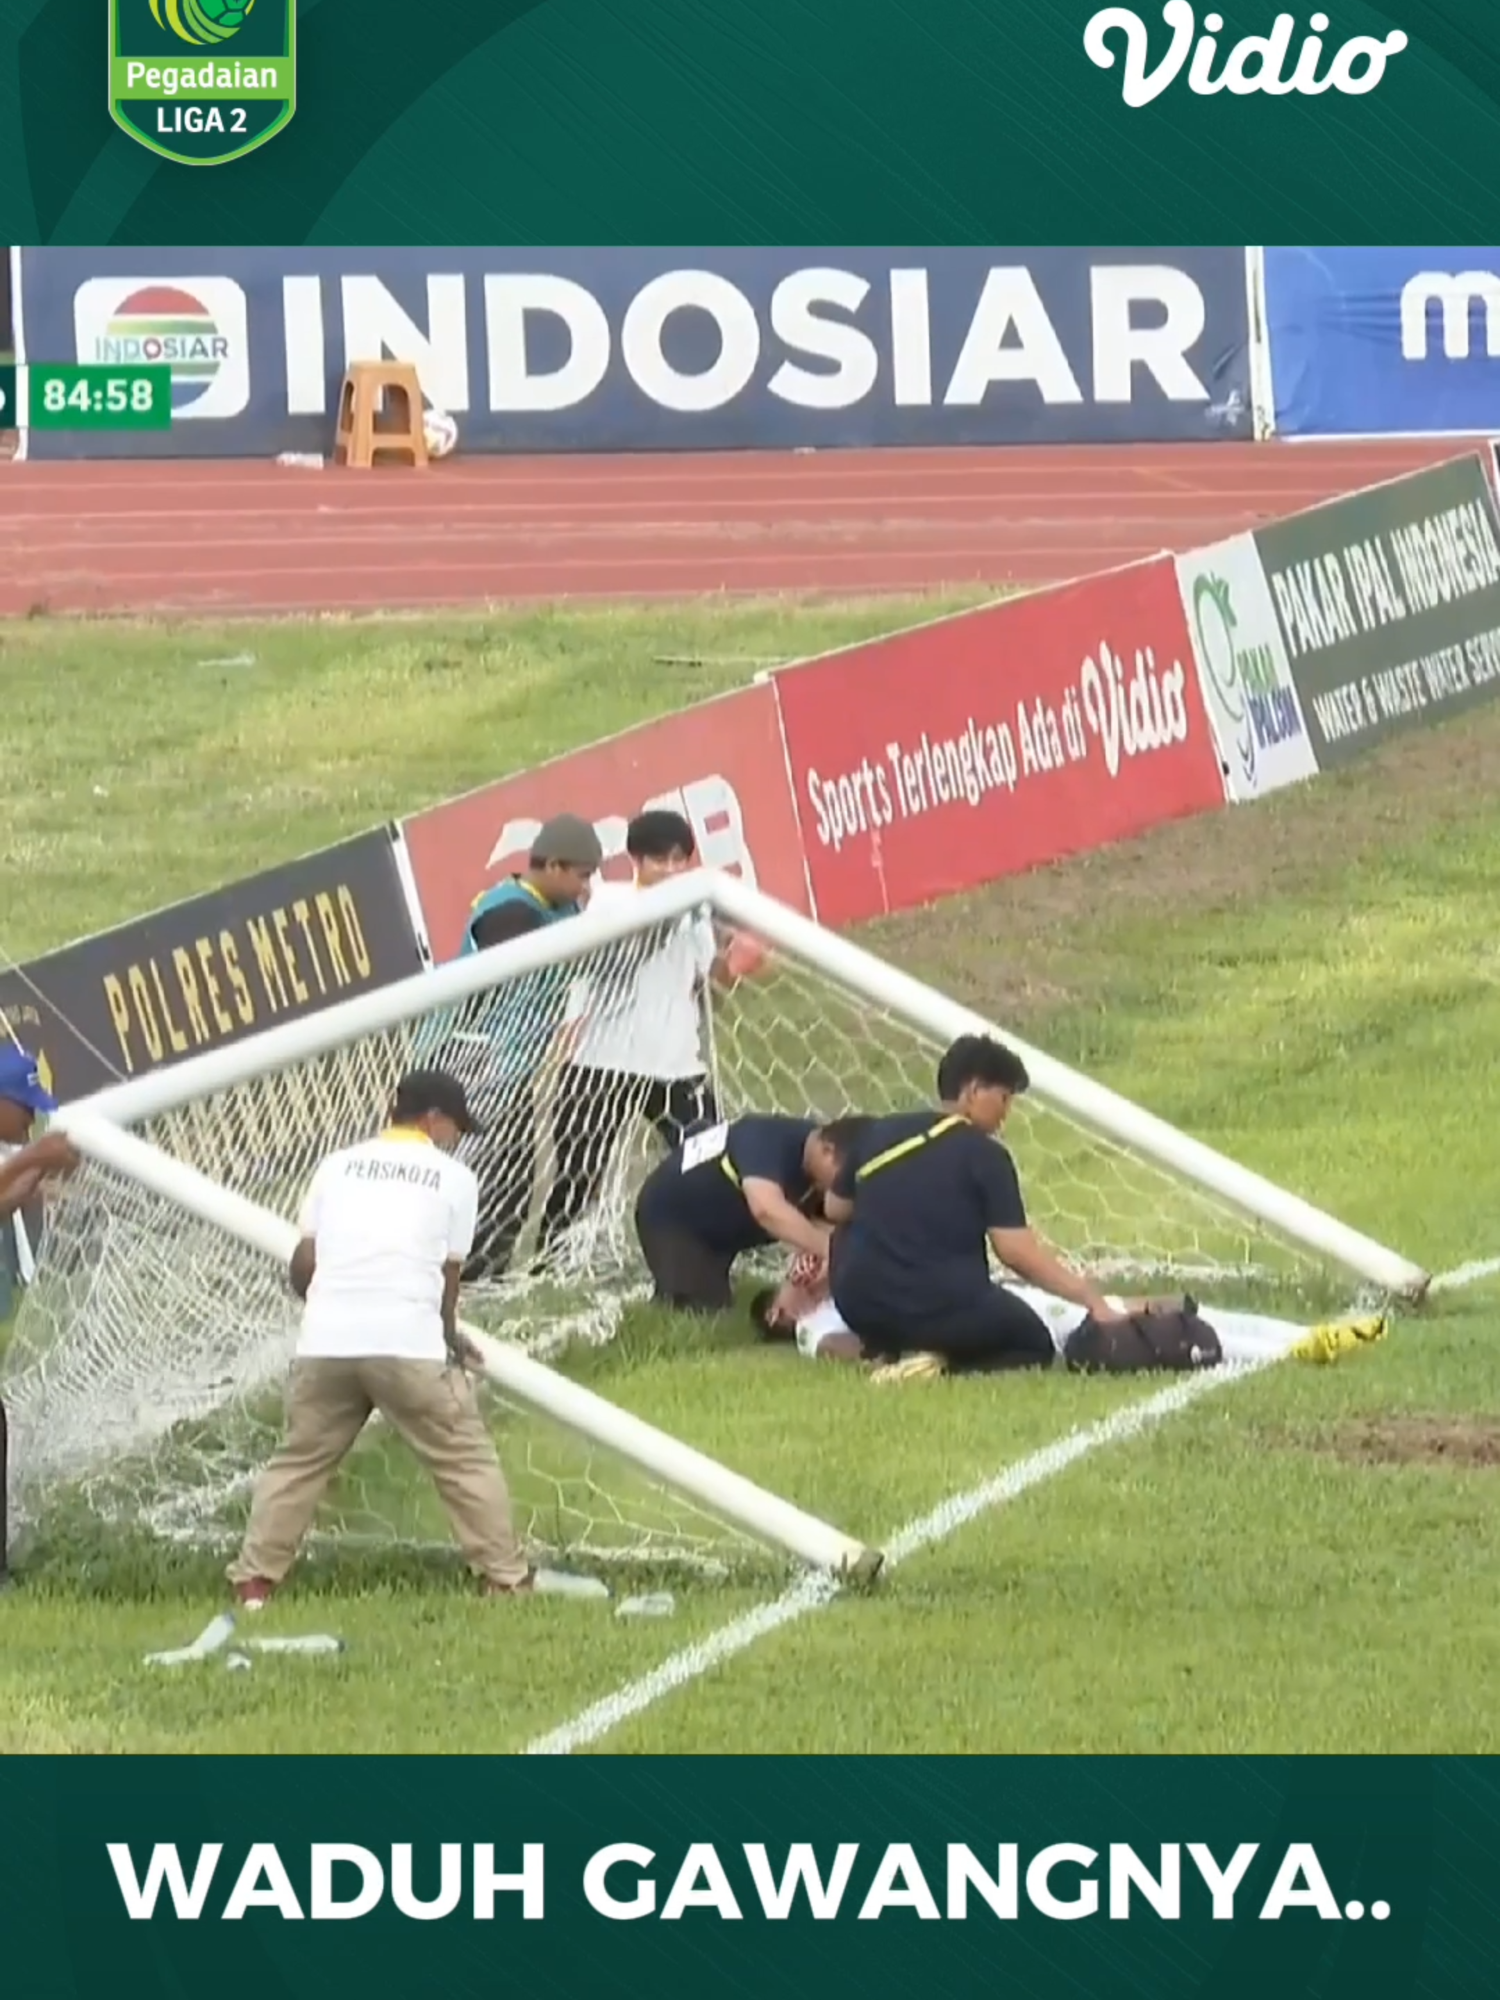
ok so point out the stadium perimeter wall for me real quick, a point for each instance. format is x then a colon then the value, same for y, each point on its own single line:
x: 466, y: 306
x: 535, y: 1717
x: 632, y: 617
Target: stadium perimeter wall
x: 876, y: 778
x: 614, y: 349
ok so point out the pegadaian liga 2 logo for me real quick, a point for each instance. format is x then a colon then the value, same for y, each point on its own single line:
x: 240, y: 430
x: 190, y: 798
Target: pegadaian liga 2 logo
x: 202, y: 81
x: 202, y: 21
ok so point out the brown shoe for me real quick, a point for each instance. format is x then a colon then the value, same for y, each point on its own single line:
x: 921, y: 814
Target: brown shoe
x: 522, y: 1588
x: 254, y: 1593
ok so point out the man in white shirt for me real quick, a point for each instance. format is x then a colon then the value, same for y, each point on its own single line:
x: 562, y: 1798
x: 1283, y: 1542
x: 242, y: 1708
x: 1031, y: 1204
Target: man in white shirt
x: 385, y: 1229
x: 638, y: 1052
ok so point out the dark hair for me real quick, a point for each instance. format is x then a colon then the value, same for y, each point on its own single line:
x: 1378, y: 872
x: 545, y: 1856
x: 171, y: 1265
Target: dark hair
x: 841, y: 1133
x: 977, y: 1059
x: 423, y: 1091
x: 655, y: 835
x: 761, y: 1319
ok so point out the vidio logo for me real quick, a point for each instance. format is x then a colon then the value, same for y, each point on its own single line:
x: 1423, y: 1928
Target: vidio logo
x: 201, y: 21
x: 1354, y: 70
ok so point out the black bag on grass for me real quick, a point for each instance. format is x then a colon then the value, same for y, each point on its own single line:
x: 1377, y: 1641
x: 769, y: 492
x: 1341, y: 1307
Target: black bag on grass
x: 1169, y: 1341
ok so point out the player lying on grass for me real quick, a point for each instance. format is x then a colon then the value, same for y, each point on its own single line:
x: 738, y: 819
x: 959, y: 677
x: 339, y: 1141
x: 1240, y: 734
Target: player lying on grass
x: 734, y: 1187
x: 921, y: 1199
x: 800, y: 1311
x: 384, y: 1232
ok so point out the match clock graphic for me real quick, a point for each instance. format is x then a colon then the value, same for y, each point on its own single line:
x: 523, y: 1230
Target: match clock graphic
x: 202, y: 82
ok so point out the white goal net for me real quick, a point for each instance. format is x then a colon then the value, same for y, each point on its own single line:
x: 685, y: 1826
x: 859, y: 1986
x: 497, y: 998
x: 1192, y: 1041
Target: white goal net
x: 144, y: 1371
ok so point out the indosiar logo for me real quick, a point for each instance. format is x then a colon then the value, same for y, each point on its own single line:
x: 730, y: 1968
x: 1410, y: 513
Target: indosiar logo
x: 197, y: 326
x: 201, y: 22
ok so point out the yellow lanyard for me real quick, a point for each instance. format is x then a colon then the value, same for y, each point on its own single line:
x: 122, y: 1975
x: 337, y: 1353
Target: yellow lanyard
x: 912, y: 1145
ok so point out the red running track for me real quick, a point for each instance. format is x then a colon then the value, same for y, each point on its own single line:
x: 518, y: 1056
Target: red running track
x: 242, y: 537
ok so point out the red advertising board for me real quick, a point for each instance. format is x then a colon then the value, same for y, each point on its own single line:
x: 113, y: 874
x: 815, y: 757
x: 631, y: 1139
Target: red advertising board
x: 961, y: 751
x: 719, y: 763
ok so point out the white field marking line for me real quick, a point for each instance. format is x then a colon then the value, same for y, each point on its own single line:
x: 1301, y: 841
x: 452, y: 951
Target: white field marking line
x: 1466, y: 1274
x: 811, y: 1593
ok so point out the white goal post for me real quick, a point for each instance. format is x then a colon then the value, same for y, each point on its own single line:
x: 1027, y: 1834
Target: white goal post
x: 160, y: 1319
x: 836, y: 959
x: 531, y: 1382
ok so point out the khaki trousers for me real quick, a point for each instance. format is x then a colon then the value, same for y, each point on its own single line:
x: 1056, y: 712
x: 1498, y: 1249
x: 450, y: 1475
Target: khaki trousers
x: 433, y: 1405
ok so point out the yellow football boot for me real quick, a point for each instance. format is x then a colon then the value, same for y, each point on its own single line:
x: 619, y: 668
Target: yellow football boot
x: 910, y: 1368
x: 1324, y: 1344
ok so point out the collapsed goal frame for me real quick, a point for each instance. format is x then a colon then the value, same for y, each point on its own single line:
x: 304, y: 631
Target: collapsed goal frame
x: 106, y: 1129
x: 739, y: 905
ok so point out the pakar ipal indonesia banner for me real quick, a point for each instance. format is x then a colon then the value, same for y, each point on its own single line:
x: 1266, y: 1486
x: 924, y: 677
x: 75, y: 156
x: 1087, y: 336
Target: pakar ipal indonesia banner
x: 1388, y: 606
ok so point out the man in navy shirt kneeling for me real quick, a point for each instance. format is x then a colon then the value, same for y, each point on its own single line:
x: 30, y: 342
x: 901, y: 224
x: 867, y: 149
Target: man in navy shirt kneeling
x: 734, y: 1187
x: 921, y: 1198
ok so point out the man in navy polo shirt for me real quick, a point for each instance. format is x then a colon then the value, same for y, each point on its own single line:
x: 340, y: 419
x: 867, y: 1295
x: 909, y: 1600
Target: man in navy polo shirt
x: 733, y: 1187
x: 923, y: 1196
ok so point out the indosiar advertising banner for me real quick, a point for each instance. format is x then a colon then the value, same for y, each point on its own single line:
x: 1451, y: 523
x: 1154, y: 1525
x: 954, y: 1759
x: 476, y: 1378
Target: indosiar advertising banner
x: 1379, y: 342
x: 619, y: 349
x: 1388, y: 606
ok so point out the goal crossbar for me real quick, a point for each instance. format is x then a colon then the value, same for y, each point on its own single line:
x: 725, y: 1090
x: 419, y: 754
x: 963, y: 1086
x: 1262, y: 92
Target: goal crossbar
x: 728, y: 1494
x: 835, y: 958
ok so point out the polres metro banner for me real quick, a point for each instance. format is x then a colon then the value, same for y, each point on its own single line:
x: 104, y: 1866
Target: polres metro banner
x: 615, y: 349
x: 1384, y: 342
x: 720, y: 764
x: 215, y: 969
x: 981, y: 745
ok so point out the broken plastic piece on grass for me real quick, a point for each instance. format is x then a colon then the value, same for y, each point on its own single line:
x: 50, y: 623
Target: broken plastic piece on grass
x: 308, y: 1642
x: 564, y: 1583
x: 214, y: 1635
x: 655, y: 1604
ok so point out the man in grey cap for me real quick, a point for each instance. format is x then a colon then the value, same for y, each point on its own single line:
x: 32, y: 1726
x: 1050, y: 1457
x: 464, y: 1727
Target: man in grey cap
x: 504, y: 1039
x: 565, y: 856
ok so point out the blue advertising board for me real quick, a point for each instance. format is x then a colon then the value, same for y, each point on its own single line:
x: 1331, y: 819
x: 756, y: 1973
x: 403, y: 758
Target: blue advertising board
x: 1384, y: 342
x: 661, y: 350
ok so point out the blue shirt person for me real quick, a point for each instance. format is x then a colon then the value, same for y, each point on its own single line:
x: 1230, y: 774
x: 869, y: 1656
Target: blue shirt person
x: 496, y: 1043
x: 26, y: 1164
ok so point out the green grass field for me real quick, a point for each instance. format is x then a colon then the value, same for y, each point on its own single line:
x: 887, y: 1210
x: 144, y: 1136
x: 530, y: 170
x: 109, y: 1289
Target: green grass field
x: 1301, y: 1562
